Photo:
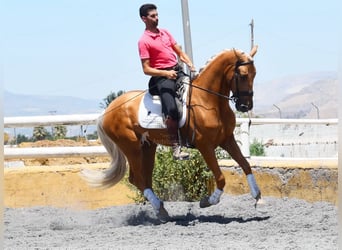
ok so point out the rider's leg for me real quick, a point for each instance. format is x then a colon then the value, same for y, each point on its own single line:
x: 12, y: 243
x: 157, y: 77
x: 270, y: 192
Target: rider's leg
x: 172, y: 127
x: 167, y: 96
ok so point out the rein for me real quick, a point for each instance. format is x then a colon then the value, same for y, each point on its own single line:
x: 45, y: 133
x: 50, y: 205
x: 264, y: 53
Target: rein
x: 238, y: 93
x: 233, y: 98
x: 210, y: 91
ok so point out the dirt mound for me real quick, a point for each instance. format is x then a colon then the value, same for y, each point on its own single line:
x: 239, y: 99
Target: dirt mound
x: 62, y: 161
x: 59, y: 143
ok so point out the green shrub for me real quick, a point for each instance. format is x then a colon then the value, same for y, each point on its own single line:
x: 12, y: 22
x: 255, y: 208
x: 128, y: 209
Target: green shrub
x: 188, y: 180
x: 257, y: 148
x: 221, y: 154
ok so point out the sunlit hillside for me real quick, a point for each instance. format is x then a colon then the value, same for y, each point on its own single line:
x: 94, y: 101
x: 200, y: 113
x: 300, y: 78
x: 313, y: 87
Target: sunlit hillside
x: 305, y: 96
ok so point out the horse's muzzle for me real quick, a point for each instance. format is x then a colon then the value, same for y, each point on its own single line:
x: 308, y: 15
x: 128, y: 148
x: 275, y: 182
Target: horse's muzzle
x: 243, y: 107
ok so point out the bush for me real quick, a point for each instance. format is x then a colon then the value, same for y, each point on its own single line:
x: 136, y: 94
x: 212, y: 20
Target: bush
x: 257, y: 148
x: 222, y: 154
x: 188, y: 180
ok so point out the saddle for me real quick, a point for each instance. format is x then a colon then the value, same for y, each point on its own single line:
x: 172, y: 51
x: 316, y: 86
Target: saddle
x: 150, y: 111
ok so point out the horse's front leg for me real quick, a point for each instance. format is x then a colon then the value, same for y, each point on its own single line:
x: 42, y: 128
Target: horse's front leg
x: 210, y: 159
x: 233, y: 149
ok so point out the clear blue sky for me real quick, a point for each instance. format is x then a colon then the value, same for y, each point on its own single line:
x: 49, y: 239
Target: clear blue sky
x: 88, y: 48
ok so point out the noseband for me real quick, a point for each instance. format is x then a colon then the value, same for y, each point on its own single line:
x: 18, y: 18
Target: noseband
x: 239, y: 93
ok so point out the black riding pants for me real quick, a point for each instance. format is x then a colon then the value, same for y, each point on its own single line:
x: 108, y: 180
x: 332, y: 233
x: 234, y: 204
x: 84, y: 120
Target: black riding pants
x: 166, y: 90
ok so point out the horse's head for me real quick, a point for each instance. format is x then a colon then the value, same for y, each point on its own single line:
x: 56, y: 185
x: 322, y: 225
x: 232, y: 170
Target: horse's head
x: 242, y: 87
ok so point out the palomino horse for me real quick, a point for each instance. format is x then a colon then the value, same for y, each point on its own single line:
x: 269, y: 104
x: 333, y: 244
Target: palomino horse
x: 210, y: 124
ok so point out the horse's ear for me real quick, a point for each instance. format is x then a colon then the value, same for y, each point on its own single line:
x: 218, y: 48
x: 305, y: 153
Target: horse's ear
x: 253, y: 50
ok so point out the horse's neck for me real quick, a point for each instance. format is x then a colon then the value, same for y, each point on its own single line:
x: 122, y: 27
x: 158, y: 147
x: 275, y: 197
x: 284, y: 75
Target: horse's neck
x: 214, y: 78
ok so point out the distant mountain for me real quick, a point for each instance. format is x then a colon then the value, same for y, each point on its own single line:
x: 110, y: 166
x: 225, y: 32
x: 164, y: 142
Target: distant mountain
x: 302, y: 96
x: 31, y: 105
x: 294, y: 95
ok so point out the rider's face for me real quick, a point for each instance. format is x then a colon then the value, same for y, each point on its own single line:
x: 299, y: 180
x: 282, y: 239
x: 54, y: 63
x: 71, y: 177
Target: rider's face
x: 151, y: 19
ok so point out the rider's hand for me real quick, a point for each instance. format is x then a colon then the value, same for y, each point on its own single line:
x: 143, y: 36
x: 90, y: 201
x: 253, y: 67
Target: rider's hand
x: 171, y: 74
x: 192, y: 68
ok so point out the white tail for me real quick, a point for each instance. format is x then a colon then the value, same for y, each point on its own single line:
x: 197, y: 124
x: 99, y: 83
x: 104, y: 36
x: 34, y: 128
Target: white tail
x: 117, y: 170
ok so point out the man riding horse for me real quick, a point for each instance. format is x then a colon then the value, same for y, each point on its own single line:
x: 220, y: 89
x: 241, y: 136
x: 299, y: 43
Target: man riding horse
x: 210, y: 121
x: 158, y: 50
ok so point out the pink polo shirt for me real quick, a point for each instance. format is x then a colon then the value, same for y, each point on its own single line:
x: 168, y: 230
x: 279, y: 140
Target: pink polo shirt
x: 158, y: 49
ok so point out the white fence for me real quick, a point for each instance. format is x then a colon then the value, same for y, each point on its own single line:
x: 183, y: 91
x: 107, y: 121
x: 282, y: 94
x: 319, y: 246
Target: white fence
x: 292, y: 138
x: 244, y: 135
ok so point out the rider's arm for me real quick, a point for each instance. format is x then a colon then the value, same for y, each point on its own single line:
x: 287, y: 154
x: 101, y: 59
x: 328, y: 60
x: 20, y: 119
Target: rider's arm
x: 148, y: 70
x: 183, y: 57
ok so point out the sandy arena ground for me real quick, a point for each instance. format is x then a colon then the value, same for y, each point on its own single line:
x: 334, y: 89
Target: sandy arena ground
x: 232, y: 224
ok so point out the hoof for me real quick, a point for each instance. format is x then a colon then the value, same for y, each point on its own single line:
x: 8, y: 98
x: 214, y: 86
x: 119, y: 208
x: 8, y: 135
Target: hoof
x: 162, y: 214
x: 205, y: 202
x: 257, y: 198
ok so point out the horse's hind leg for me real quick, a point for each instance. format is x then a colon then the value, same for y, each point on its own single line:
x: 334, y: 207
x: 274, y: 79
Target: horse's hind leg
x: 141, y: 162
x: 233, y: 149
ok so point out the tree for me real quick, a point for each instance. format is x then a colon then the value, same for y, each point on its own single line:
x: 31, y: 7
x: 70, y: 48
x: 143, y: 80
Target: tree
x: 40, y: 133
x: 6, y: 138
x: 22, y: 138
x: 59, y: 131
x: 112, y: 96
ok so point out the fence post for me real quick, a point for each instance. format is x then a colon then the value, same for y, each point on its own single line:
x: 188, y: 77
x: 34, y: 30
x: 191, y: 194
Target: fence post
x: 245, y: 139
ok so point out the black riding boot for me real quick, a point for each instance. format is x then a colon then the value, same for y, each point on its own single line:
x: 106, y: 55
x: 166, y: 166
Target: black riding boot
x: 172, y: 128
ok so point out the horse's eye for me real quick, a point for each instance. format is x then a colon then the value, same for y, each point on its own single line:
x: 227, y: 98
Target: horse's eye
x: 243, y: 77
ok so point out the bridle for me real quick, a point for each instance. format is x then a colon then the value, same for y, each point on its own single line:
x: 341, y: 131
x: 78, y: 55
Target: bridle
x: 235, y: 97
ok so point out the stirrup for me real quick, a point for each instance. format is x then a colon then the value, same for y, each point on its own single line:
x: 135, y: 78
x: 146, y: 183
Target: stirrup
x: 178, y: 154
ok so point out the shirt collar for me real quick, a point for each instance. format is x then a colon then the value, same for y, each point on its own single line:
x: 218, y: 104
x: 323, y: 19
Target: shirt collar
x: 152, y: 34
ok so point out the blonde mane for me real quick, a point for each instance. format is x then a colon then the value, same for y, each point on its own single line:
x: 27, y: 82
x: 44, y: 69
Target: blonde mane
x: 211, y: 59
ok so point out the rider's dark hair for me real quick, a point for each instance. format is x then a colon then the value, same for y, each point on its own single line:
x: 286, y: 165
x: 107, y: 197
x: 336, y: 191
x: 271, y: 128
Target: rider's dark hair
x: 145, y: 8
